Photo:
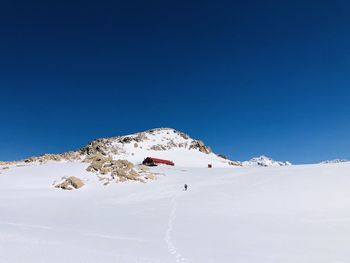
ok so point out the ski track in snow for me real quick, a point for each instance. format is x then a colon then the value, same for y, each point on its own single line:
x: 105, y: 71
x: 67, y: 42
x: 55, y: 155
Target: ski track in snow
x: 171, y: 247
x: 26, y: 225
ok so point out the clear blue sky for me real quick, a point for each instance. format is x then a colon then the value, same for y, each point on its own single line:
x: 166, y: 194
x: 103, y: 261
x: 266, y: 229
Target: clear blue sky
x: 246, y: 77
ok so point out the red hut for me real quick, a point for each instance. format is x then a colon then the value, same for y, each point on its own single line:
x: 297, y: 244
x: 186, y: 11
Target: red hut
x: 150, y: 161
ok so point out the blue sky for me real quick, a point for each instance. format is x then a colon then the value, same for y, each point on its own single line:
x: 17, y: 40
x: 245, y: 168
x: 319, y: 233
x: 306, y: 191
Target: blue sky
x: 246, y: 77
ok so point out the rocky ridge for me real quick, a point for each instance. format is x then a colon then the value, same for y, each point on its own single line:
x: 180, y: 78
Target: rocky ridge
x: 69, y: 183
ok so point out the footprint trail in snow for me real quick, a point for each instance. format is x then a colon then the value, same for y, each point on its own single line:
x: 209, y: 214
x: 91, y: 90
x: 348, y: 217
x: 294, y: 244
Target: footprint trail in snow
x: 171, y: 247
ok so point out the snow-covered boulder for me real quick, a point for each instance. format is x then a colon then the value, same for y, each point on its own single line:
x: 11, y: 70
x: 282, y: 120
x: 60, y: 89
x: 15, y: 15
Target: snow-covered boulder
x: 70, y: 183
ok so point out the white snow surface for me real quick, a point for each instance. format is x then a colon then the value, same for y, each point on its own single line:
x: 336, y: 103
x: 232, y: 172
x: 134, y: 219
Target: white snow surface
x: 264, y: 161
x: 242, y: 215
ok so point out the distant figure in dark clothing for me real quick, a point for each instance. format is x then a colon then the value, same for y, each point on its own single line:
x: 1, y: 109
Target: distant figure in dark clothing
x: 185, y: 187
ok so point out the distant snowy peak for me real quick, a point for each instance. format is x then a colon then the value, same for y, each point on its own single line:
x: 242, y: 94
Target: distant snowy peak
x: 264, y: 161
x: 335, y: 161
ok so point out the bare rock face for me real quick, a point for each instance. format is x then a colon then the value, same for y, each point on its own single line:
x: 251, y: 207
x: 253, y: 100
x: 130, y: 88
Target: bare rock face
x: 141, y: 137
x: 233, y: 163
x: 70, y: 183
x: 183, y: 135
x: 200, y: 146
x: 158, y: 147
x: 183, y: 145
x: 126, y: 140
x: 223, y: 156
x: 230, y: 162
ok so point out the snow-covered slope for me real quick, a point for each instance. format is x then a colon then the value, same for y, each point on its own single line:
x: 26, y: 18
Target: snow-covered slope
x: 264, y: 161
x: 278, y: 214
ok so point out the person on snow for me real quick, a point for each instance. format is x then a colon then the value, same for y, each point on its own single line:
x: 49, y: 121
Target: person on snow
x: 185, y: 187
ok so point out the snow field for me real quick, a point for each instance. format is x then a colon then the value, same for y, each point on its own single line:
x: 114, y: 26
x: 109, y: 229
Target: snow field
x: 277, y: 214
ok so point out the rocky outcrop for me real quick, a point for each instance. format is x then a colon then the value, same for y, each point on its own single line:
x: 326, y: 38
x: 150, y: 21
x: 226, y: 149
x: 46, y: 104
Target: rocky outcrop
x: 120, y: 170
x: 200, y: 146
x: 70, y: 183
x: 234, y: 163
x: 99, y: 146
x: 97, y: 162
x: 135, y: 138
x: 223, y: 156
x: 230, y: 162
x: 158, y: 147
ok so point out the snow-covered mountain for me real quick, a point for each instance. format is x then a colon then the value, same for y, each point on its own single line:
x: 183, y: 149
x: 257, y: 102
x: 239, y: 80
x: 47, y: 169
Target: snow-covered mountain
x: 120, y: 158
x: 335, y: 161
x: 165, y: 143
x: 162, y: 143
x: 264, y: 161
